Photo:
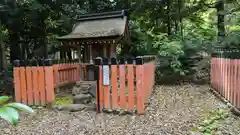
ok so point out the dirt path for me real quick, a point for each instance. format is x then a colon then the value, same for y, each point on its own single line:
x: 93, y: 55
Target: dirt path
x: 174, y: 110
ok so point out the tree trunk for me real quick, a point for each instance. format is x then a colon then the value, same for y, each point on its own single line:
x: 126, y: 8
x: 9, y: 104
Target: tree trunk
x: 43, y: 37
x: 28, y: 51
x: 220, y: 20
x: 15, y: 50
x: 126, y: 4
x: 180, y: 7
x: 23, y: 52
x: 169, y: 17
x: 3, y: 62
x: 93, y: 7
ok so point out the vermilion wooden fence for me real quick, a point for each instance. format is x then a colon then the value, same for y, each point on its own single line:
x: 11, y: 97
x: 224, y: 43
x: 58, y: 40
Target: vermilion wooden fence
x: 225, y: 75
x: 124, y: 86
x: 66, y: 73
x: 128, y: 85
x: 34, y: 83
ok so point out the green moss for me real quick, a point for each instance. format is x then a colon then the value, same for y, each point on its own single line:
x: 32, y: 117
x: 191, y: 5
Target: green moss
x: 195, y: 129
x: 210, y: 123
x: 63, y: 100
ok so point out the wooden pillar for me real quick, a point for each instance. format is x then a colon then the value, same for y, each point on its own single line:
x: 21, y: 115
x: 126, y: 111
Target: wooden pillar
x: 104, y: 50
x: 90, y: 54
x: 85, y: 53
x: 79, y: 62
x: 113, y: 50
x: 72, y: 53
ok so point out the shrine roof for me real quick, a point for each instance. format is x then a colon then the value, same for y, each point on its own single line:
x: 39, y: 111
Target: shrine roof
x: 98, y: 25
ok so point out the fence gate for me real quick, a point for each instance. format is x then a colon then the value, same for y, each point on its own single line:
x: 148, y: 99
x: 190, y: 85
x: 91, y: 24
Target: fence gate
x: 124, y: 85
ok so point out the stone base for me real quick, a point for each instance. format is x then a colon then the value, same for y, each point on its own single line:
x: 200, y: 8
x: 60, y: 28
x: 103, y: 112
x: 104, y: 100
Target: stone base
x: 84, y: 87
x: 84, y: 93
x: 82, y: 99
x: 75, y: 107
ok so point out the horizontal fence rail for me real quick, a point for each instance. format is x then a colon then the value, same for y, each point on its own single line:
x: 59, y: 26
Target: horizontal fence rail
x: 124, y: 85
x: 225, y: 75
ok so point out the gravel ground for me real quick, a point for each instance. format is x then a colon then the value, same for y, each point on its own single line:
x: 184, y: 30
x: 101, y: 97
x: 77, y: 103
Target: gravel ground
x: 173, y: 110
x: 230, y: 126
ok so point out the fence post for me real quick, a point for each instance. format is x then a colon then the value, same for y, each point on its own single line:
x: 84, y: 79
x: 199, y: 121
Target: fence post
x: 114, y: 83
x: 106, y: 83
x: 139, y: 85
x: 16, y: 77
x: 229, y: 77
x: 56, y: 74
x: 122, y: 75
x: 224, y: 74
x: 238, y: 85
x: 98, y: 78
x: 145, y: 77
x: 35, y: 82
x: 29, y: 80
x: 221, y: 73
x: 41, y: 79
x: 218, y: 70
x: 23, y: 81
x: 235, y: 81
x: 213, y: 73
x: 49, y: 81
x: 153, y: 67
x: 130, y: 79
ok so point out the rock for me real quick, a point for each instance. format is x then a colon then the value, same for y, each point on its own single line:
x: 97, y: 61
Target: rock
x: 75, y: 107
x: 82, y: 99
x: 82, y: 83
x: 78, y: 83
x: 91, y: 107
x: 7, y: 131
x: 84, y: 88
x: 80, y: 90
x: 235, y: 111
x: 218, y: 133
x: 92, y: 89
x: 71, y: 107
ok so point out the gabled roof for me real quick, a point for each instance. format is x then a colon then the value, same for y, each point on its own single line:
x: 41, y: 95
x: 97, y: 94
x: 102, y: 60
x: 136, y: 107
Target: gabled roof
x: 108, y: 24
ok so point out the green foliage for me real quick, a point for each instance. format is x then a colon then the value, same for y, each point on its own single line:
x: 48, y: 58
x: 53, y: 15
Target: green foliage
x: 172, y: 49
x: 139, y: 39
x: 4, y: 33
x: 175, y: 53
x: 184, y: 49
x: 233, y: 39
x: 9, y: 111
x: 210, y: 124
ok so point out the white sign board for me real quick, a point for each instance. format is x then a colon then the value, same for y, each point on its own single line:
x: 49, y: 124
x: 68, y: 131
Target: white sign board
x: 106, y: 75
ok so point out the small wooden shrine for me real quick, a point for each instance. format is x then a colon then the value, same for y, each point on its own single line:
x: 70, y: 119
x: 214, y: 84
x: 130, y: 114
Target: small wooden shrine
x: 97, y: 35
